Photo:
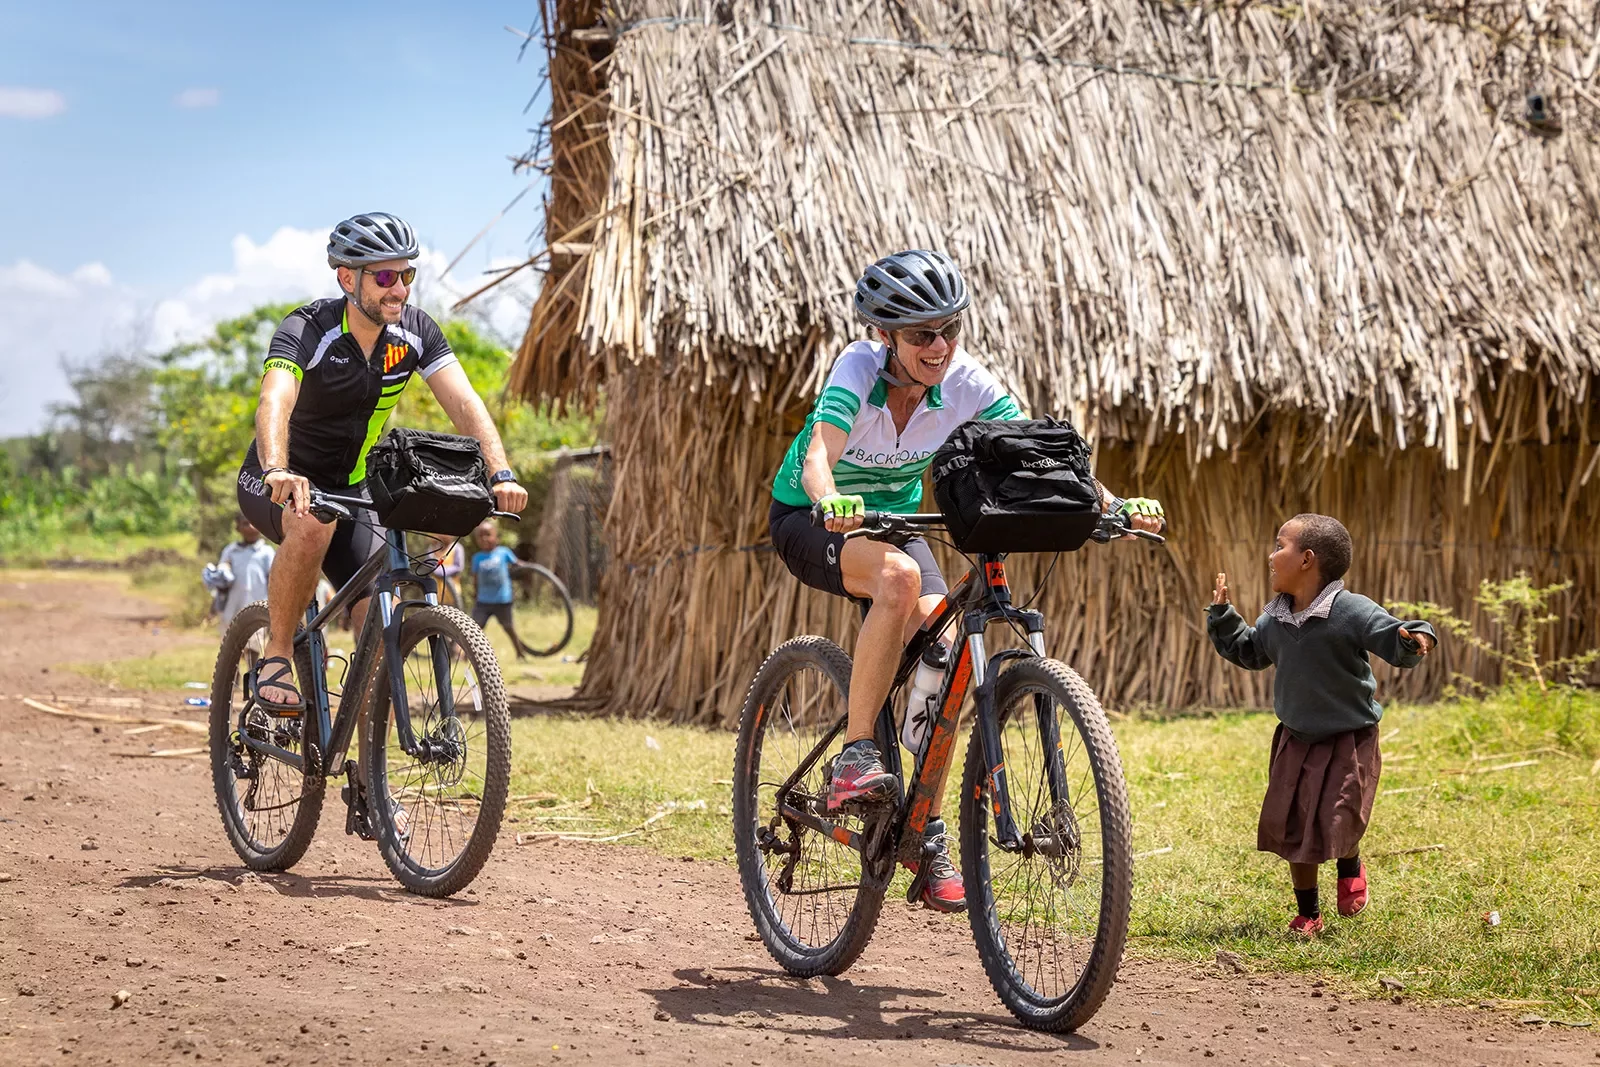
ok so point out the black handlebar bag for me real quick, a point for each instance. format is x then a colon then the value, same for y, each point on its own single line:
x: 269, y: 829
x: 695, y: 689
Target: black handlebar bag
x: 433, y: 482
x: 1022, y: 486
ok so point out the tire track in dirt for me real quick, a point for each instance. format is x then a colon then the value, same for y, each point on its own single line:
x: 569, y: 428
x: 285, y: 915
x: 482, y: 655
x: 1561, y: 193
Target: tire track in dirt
x: 115, y: 875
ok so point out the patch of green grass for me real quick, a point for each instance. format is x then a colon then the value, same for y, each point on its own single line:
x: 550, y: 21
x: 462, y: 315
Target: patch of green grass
x: 600, y: 777
x: 196, y: 658
x: 85, y: 545
x: 540, y: 629
x: 1517, y: 840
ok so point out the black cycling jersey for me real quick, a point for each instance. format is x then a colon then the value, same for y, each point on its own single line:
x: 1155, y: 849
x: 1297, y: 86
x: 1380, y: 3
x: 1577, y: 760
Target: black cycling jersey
x: 345, y: 398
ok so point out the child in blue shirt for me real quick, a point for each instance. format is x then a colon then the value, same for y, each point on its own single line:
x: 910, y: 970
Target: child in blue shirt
x: 492, y: 567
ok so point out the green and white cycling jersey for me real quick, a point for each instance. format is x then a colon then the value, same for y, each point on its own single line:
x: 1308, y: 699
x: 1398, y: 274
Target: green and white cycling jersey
x: 883, y: 466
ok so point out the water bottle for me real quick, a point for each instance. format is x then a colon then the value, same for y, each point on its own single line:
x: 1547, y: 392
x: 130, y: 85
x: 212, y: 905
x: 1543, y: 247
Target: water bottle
x: 922, y: 705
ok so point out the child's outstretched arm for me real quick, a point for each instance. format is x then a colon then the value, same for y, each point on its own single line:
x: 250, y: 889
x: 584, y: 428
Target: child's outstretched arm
x: 1401, y: 644
x: 1234, y: 640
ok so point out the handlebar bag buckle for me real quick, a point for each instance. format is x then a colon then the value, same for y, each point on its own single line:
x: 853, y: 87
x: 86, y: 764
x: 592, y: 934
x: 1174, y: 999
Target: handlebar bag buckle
x: 1022, y: 486
x: 432, y: 482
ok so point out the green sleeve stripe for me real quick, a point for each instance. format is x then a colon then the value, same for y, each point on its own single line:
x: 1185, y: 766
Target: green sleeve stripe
x: 838, y: 407
x: 1004, y: 408
x: 279, y: 363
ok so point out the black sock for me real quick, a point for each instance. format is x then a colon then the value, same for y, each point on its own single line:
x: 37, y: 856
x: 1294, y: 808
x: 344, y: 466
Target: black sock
x: 864, y: 741
x: 1350, y: 868
x: 1307, y: 900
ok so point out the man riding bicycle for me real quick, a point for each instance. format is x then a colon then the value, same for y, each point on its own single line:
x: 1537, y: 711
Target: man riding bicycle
x: 886, y: 408
x: 333, y: 371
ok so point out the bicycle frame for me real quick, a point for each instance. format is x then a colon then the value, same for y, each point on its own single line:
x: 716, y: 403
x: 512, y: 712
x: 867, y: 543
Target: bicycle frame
x: 383, y: 572
x: 982, y: 597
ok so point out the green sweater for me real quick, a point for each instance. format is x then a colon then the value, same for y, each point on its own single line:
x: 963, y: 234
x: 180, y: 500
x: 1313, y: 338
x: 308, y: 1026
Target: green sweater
x: 1324, y: 685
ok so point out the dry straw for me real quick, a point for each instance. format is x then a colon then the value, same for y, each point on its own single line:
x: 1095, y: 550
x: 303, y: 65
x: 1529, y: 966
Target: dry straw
x: 1271, y: 258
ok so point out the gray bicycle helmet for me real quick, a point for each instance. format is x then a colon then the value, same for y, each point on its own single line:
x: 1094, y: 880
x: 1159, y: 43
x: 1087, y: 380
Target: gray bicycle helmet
x: 364, y: 239
x: 910, y: 287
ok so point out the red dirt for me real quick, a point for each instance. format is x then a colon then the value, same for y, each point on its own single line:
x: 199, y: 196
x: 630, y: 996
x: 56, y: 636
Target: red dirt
x: 115, y: 875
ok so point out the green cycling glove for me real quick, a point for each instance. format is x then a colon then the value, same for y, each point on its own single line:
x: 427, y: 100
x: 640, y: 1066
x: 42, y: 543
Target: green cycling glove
x: 839, y: 506
x: 1143, y: 505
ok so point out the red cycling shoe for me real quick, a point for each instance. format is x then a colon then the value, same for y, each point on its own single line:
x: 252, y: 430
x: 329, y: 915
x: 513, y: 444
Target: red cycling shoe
x: 858, y: 774
x: 1304, y: 927
x: 1353, y: 893
x: 944, y: 891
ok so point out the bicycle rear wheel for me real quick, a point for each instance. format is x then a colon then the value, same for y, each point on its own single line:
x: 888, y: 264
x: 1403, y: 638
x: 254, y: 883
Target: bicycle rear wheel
x: 1050, y: 921
x: 552, y: 607
x: 812, y: 899
x: 269, y: 808
x: 437, y: 812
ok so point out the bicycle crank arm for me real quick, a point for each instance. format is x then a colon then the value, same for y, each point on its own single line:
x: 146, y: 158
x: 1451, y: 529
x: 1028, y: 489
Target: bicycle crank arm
x: 848, y: 838
x: 267, y: 748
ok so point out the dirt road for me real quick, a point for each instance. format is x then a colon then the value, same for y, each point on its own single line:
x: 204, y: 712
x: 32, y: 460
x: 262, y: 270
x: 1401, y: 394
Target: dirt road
x: 115, y: 876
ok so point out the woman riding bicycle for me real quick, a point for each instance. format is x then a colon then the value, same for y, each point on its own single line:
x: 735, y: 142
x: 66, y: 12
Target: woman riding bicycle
x: 886, y: 408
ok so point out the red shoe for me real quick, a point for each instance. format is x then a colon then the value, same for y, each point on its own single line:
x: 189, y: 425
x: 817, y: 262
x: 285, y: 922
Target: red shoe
x: 945, y: 891
x: 859, y: 775
x: 1353, y: 893
x: 1304, y: 927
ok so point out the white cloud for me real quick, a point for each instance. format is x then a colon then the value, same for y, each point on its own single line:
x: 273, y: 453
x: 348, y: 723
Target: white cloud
x: 46, y: 315
x: 193, y: 98
x: 19, y: 103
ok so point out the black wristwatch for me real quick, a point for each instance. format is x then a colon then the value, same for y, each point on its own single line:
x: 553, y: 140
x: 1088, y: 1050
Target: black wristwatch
x: 501, y: 476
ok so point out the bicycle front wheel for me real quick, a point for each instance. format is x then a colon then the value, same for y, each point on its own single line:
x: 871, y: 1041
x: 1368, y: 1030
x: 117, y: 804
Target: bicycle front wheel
x: 269, y: 807
x: 437, y: 809
x: 1050, y: 919
x: 812, y: 900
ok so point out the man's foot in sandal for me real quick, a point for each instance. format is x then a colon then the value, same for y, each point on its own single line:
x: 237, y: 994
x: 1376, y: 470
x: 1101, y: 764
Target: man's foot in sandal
x: 275, y: 674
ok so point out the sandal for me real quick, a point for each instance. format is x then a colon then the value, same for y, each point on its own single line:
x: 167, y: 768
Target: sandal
x: 289, y: 709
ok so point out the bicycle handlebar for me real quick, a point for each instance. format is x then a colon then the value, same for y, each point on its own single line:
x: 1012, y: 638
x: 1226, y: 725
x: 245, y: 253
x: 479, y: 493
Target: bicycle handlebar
x: 880, y: 524
x: 330, y: 507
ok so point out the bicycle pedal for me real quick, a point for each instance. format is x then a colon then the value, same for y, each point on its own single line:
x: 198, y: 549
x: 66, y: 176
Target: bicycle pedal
x: 355, y: 802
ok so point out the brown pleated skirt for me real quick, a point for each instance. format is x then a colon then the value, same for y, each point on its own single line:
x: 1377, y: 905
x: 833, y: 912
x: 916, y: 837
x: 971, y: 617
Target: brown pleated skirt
x: 1319, y: 796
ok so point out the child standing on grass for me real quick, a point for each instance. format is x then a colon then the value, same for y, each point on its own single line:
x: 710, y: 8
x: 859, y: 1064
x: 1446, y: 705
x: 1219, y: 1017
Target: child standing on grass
x: 492, y: 567
x: 239, y: 576
x: 1324, y: 767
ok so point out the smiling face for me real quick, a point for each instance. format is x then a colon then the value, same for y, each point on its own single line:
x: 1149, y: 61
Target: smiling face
x: 925, y: 364
x: 488, y: 536
x: 381, y: 306
x: 1292, y: 567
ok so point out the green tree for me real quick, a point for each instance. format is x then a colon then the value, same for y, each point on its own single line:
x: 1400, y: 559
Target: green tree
x: 206, y: 394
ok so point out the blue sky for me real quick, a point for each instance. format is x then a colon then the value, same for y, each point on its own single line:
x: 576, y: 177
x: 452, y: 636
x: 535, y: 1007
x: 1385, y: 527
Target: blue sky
x: 162, y: 163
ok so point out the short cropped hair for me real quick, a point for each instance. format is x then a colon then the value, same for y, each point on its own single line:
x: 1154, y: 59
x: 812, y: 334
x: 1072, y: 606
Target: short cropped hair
x: 1327, y: 539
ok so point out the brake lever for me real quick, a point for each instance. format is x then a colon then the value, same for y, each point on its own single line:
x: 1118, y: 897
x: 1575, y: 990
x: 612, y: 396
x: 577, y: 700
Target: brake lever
x: 326, y: 511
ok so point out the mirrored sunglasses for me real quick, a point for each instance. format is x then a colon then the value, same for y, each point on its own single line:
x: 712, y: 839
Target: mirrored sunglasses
x: 387, y: 278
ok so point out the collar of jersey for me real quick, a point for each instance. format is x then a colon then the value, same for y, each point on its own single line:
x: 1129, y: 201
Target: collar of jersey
x: 934, y: 397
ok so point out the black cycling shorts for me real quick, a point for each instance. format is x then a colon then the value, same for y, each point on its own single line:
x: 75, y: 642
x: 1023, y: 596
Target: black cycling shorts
x: 353, y: 542
x: 812, y: 553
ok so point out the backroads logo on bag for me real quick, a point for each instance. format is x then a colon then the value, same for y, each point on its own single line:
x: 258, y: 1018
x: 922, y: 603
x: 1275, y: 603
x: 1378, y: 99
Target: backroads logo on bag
x: 1043, y: 463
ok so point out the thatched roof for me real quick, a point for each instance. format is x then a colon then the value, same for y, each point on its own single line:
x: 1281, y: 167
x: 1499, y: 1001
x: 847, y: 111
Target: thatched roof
x: 1174, y: 216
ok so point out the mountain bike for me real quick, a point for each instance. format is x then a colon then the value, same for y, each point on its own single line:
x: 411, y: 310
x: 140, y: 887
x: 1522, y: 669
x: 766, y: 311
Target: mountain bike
x: 1044, y: 822
x: 436, y: 747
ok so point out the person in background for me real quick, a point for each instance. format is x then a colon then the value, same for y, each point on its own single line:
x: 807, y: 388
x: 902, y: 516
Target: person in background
x: 239, y: 576
x: 452, y: 561
x: 1323, y: 772
x: 492, y: 567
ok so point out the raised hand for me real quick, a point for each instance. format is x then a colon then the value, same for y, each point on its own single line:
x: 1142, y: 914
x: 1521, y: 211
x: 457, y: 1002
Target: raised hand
x: 1418, y: 638
x: 1220, y: 594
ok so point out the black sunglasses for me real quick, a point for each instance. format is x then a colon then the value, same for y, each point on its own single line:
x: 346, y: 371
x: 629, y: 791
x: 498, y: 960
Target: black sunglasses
x: 387, y: 278
x: 924, y: 337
